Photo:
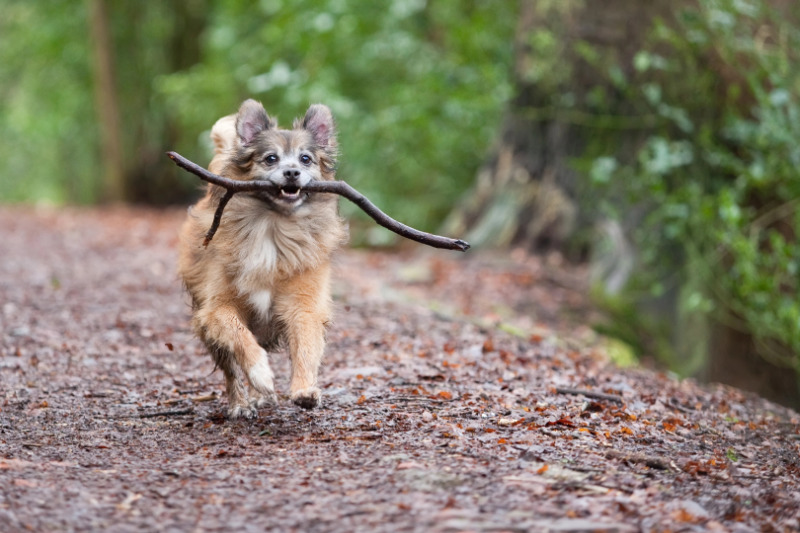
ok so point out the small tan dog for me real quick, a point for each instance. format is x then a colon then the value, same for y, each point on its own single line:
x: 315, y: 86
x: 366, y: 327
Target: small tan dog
x: 264, y: 280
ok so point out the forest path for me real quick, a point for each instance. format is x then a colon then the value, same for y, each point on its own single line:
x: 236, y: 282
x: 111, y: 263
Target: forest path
x: 446, y: 404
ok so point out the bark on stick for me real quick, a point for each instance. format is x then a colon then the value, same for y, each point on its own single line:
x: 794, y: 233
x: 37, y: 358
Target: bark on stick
x: 333, y: 187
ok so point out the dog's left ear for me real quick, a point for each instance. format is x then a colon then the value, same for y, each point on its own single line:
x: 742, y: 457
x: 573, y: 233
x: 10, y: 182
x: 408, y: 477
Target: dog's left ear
x: 319, y: 122
x: 252, y: 120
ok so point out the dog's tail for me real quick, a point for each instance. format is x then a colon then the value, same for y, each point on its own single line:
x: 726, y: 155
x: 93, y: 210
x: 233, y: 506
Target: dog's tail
x: 223, y: 134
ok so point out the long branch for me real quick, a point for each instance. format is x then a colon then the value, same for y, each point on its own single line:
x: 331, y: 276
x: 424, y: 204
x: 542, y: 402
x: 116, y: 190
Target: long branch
x: 334, y: 187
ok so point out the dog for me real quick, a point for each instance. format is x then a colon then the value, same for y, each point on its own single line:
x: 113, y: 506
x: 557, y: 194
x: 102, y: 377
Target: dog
x: 264, y: 281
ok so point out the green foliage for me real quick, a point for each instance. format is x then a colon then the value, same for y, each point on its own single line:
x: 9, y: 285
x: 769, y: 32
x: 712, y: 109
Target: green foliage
x: 46, y: 116
x: 48, y: 120
x: 716, y: 182
x: 417, y: 88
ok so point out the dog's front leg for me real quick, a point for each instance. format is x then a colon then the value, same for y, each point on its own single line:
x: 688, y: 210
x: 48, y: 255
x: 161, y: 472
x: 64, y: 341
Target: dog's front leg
x: 304, y: 307
x: 235, y: 349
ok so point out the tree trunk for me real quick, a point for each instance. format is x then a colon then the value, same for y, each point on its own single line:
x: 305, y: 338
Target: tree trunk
x: 106, y: 104
x: 161, y: 38
x: 148, y: 179
x: 527, y: 194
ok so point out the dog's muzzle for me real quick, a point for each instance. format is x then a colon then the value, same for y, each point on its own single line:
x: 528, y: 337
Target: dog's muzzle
x: 288, y: 191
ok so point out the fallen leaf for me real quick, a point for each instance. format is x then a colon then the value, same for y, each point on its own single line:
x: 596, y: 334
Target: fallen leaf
x: 206, y: 398
x: 408, y: 465
x: 488, y: 345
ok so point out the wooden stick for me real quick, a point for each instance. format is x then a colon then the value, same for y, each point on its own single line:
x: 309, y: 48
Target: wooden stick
x: 217, y: 217
x: 591, y: 394
x: 334, y: 187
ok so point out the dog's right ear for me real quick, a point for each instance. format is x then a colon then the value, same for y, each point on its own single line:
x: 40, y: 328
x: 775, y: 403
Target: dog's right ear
x: 251, y: 120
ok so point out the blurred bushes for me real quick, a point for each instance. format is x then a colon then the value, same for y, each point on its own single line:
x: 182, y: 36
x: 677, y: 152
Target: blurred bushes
x: 715, y: 187
x: 47, y: 131
x: 417, y: 89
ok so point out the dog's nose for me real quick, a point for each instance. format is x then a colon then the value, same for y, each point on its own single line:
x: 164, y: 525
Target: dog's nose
x: 291, y: 174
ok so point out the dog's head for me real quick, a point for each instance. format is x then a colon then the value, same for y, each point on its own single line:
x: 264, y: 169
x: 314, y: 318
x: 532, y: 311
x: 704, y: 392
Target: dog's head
x: 289, y: 159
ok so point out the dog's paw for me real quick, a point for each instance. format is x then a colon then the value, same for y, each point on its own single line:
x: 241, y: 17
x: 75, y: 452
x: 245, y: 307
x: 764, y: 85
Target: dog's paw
x: 242, y: 411
x: 307, y: 398
x: 258, y: 400
x: 261, y: 377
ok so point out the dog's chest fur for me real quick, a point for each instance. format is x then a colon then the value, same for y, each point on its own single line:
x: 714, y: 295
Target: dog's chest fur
x: 269, y: 248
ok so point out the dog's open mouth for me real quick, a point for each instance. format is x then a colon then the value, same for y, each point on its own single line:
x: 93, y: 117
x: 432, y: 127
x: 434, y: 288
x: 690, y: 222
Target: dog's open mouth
x: 289, y: 196
x: 289, y: 193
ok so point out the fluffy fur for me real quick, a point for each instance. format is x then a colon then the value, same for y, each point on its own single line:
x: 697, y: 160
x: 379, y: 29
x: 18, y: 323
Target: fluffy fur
x: 264, y: 280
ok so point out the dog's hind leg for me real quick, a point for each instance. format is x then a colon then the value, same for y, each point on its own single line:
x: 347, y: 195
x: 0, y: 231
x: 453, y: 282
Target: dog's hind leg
x: 237, y: 353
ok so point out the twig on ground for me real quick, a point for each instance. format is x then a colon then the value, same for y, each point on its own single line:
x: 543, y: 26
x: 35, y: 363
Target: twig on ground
x: 550, y: 433
x: 333, y: 187
x: 676, y: 405
x: 98, y: 394
x: 591, y: 394
x: 585, y: 469
x: 173, y: 412
x: 653, y: 461
x: 205, y: 398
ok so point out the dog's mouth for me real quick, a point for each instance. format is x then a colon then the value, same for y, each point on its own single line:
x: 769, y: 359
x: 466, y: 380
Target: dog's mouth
x: 289, y: 193
x: 287, y: 196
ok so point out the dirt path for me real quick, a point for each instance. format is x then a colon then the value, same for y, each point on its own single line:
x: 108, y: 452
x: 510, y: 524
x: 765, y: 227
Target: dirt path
x: 433, y: 417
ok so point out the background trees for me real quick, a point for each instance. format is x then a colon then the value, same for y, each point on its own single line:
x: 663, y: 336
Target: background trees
x: 659, y: 139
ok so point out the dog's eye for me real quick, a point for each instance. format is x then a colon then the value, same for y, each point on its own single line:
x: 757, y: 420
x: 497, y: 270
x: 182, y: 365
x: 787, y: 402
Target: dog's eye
x: 271, y: 159
x: 305, y: 159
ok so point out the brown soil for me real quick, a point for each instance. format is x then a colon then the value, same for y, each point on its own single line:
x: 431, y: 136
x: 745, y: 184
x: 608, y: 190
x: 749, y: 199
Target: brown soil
x: 449, y: 404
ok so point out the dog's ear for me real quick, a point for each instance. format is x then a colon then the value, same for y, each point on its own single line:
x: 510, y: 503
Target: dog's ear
x: 251, y: 120
x: 319, y: 122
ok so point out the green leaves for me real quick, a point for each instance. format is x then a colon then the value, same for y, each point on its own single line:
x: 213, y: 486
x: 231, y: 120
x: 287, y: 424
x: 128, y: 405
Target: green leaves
x: 661, y: 156
x: 719, y: 176
x: 417, y: 88
x: 603, y: 169
x: 46, y: 111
